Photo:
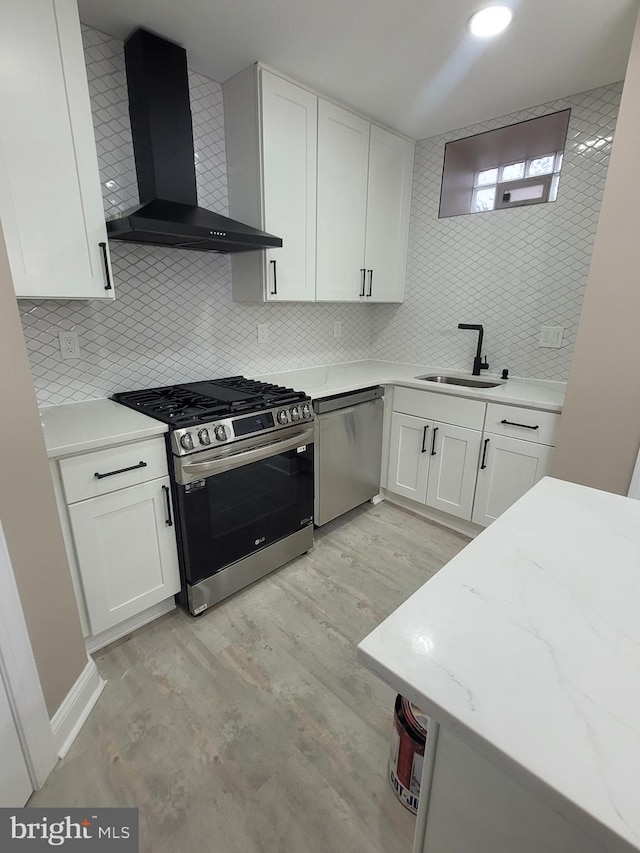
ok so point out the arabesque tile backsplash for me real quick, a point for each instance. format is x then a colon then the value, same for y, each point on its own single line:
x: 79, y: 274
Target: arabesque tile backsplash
x: 173, y: 319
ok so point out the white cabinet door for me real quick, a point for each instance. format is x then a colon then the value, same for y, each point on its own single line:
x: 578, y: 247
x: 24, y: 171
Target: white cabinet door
x: 289, y: 132
x: 15, y: 784
x: 512, y: 467
x: 409, y: 456
x: 388, y: 210
x: 50, y: 198
x: 452, y: 469
x: 126, y: 551
x: 343, y: 166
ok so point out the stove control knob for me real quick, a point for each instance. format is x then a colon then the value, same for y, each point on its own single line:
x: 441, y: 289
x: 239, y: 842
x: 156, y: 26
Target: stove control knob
x: 306, y: 411
x: 221, y: 433
x: 187, y: 441
x: 283, y: 416
x: 204, y: 436
x: 295, y: 414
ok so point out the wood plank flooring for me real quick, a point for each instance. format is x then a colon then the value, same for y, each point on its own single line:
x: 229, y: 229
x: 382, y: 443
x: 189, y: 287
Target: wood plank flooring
x: 252, y: 729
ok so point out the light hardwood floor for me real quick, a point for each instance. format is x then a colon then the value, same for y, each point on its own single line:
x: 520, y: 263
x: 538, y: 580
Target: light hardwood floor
x: 252, y: 729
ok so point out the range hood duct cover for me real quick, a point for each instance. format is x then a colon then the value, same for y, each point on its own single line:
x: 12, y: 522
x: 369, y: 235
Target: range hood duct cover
x: 161, y: 126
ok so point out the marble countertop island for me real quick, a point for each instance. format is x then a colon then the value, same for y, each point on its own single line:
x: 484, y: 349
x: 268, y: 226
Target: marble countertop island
x: 527, y: 646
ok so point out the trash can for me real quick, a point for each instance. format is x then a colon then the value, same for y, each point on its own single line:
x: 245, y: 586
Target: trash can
x: 406, y: 755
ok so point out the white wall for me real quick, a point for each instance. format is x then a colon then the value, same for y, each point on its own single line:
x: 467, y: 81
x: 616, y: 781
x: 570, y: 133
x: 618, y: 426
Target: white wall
x: 511, y: 270
x: 600, y: 427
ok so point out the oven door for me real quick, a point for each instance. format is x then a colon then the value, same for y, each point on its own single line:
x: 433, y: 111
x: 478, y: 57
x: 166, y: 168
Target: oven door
x: 233, y: 501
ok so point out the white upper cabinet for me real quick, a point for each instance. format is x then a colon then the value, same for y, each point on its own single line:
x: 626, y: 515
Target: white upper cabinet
x: 289, y: 126
x: 364, y: 197
x: 388, y: 209
x: 50, y: 198
x: 343, y: 168
x: 334, y: 187
x: 271, y: 132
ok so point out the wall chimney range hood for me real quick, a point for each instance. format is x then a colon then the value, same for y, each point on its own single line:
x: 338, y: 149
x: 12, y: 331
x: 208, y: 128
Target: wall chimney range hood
x: 160, y: 110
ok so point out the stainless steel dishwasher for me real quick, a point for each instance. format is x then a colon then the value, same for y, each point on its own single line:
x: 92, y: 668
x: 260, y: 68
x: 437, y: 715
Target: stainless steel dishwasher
x: 348, y: 451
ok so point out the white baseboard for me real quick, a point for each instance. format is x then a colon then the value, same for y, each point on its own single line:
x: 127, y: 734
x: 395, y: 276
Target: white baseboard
x: 76, y: 707
x: 459, y: 525
x: 104, y: 638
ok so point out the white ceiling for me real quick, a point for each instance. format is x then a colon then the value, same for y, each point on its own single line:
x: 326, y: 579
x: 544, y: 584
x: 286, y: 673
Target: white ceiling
x: 410, y: 64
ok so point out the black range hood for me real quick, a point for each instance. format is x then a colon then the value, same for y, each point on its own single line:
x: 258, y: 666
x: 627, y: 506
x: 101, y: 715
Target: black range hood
x: 158, y: 83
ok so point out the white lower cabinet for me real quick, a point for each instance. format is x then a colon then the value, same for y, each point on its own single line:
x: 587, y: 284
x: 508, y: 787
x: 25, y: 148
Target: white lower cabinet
x: 119, y: 523
x: 510, y: 467
x: 434, y: 463
x: 452, y: 469
x: 408, y: 458
x: 464, y: 457
x: 126, y: 549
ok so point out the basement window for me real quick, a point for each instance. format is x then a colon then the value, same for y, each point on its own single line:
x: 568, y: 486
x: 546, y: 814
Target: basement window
x: 526, y: 182
x: 516, y: 165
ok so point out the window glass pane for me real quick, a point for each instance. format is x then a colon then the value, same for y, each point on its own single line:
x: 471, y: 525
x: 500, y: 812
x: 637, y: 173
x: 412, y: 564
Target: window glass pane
x: 488, y: 176
x: 483, y: 199
x: 513, y: 172
x: 553, y: 191
x: 541, y: 165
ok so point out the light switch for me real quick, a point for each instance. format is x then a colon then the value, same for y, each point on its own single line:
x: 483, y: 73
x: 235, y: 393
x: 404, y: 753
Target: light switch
x: 263, y: 333
x: 551, y: 336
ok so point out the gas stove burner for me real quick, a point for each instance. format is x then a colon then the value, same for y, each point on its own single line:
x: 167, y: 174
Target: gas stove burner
x: 200, y: 403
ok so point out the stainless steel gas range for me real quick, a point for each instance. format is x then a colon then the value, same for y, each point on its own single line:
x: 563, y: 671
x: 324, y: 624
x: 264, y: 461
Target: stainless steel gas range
x: 241, y: 465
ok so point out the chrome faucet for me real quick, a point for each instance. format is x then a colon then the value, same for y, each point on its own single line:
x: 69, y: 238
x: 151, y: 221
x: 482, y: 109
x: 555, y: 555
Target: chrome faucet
x: 478, y: 363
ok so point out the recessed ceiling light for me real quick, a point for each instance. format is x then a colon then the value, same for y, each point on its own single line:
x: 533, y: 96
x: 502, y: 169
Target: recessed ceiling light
x: 490, y: 21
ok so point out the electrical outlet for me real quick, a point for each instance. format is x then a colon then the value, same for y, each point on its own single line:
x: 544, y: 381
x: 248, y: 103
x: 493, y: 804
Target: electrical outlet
x: 337, y: 329
x: 263, y: 333
x: 69, y: 346
x: 551, y: 336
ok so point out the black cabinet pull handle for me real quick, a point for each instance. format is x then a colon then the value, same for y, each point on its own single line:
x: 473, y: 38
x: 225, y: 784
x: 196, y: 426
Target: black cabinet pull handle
x: 364, y: 277
x: 168, y: 520
x: 433, y: 441
x: 524, y: 426
x: 275, y: 279
x: 484, y: 454
x: 370, y: 283
x: 424, y: 438
x: 120, y: 471
x: 105, y: 258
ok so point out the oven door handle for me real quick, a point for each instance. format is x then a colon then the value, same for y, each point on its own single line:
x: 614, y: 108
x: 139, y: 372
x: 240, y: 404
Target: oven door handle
x: 199, y: 470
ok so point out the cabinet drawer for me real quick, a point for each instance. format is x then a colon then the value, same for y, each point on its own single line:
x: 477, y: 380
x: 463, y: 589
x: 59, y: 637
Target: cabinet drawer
x: 527, y: 424
x: 439, y: 407
x: 79, y: 472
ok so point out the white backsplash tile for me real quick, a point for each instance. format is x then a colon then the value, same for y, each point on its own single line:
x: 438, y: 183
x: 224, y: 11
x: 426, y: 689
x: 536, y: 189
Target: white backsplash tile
x: 511, y: 270
x: 173, y: 319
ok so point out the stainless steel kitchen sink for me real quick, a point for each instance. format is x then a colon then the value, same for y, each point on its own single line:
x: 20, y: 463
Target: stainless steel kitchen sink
x: 458, y: 380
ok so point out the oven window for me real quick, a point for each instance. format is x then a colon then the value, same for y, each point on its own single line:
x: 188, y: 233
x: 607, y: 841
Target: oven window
x: 230, y: 515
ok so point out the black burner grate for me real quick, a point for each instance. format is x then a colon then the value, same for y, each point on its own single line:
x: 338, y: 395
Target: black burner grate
x: 199, y: 402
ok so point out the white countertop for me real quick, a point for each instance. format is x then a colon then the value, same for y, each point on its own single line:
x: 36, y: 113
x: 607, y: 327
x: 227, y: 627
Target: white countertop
x: 92, y: 424
x: 338, y: 378
x: 527, y: 645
